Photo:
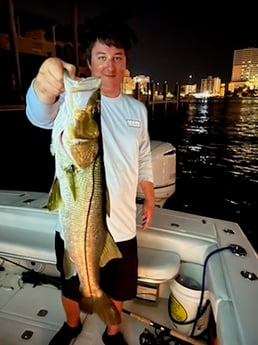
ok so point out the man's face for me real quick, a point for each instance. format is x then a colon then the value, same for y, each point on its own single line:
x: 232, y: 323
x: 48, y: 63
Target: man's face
x: 109, y: 63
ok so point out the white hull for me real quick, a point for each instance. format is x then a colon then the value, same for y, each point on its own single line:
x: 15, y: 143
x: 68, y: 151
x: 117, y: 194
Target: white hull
x: 27, y: 237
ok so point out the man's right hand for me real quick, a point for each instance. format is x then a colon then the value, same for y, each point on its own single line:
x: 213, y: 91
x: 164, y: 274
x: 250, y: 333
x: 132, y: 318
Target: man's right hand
x: 49, y: 82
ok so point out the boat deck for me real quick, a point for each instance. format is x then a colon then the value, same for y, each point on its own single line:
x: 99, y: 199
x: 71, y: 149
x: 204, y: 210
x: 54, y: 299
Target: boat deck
x: 33, y: 314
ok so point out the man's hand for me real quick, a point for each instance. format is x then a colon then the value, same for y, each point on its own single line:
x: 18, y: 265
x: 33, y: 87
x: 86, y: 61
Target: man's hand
x: 147, y: 214
x: 148, y: 204
x: 49, y: 82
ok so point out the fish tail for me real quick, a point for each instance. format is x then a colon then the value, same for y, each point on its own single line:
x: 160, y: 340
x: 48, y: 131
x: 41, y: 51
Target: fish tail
x: 103, y: 307
x: 86, y: 304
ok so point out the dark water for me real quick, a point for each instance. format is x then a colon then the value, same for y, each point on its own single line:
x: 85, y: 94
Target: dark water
x: 217, y: 158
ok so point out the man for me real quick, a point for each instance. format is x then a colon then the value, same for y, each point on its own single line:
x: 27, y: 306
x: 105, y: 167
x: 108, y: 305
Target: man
x: 127, y: 161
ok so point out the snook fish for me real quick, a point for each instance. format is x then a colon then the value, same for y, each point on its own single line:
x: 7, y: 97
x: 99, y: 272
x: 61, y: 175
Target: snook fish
x: 79, y: 193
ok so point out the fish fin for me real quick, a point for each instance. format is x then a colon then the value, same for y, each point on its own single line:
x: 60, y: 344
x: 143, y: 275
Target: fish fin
x: 103, y: 307
x: 70, y: 173
x: 54, y: 199
x: 68, y: 265
x: 110, y: 251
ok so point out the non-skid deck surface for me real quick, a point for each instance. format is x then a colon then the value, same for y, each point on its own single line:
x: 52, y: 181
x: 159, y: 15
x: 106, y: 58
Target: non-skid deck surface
x: 32, y: 315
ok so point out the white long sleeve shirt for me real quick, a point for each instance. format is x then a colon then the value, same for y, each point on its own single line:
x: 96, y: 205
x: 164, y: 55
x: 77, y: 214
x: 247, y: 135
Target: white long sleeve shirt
x: 127, y: 155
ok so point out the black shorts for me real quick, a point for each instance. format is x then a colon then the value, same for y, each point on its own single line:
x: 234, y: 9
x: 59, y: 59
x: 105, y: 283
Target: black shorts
x: 118, y: 278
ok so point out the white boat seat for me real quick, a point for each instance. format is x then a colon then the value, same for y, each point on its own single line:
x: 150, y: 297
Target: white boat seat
x: 157, y: 266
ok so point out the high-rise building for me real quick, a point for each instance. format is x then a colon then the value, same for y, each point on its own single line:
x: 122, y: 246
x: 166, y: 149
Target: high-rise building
x: 244, y: 69
x: 211, y: 85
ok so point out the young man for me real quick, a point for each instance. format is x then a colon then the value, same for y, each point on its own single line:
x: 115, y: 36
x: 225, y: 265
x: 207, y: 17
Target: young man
x: 127, y: 162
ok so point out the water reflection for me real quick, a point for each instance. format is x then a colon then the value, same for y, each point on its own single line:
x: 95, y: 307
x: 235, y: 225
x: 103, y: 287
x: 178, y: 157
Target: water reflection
x: 217, y: 161
x: 222, y: 135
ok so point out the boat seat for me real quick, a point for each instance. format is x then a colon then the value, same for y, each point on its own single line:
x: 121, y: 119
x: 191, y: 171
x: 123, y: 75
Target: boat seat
x: 157, y: 266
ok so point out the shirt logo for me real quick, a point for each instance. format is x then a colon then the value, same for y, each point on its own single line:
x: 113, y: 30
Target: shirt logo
x: 133, y: 123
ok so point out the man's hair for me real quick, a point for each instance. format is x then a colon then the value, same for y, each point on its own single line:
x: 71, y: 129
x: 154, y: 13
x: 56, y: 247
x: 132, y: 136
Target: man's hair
x: 110, y: 31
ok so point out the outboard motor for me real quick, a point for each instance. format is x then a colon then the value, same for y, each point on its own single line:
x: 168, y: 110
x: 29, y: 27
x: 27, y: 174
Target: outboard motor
x: 164, y: 172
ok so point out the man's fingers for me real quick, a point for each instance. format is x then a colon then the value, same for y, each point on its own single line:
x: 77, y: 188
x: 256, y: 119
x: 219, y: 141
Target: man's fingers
x: 71, y: 69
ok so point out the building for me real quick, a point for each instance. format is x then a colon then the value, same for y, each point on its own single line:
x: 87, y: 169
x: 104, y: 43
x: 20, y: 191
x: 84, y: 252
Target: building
x: 128, y: 85
x: 211, y: 86
x: 143, y: 82
x: 244, y: 69
x: 188, y: 89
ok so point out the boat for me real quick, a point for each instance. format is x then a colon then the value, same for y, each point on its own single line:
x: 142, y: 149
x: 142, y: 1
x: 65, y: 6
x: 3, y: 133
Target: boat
x: 197, y: 277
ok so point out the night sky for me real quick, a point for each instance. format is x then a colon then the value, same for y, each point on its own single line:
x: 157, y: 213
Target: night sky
x: 174, y: 40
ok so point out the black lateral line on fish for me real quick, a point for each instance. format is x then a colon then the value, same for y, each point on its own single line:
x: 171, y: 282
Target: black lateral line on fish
x: 85, y: 238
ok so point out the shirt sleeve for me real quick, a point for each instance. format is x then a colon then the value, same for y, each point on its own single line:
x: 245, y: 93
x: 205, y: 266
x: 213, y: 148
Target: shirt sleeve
x: 40, y: 114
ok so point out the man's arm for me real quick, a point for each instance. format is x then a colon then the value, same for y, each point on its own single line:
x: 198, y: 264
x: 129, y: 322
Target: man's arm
x: 148, y: 204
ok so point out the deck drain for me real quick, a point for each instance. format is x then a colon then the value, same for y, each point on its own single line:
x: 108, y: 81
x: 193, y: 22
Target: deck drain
x: 42, y: 312
x: 27, y: 334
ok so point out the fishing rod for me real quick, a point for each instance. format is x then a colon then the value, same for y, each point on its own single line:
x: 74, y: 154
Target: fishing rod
x: 34, y: 277
x: 171, y: 332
